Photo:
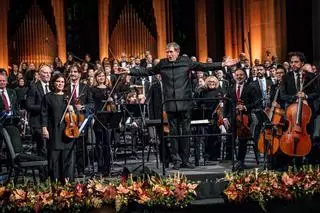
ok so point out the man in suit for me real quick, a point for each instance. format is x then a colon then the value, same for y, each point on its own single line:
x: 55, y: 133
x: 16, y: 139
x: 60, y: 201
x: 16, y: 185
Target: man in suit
x: 8, y: 100
x: 244, y: 96
x: 83, y: 102
x: 293, y: 83
x: 9, y: 110
x: 33, y: 104
x: 175, y: 73
x: 223, y: 83
x: 264, y: 86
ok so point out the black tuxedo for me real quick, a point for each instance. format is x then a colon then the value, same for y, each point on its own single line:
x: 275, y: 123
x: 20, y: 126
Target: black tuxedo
x: 251, y: 98
x: 225, y: 85
x: 269, y: 88
x: 227, y: 71
x: 85, y: 97
x: 288, y: 88
x: 33, y: 103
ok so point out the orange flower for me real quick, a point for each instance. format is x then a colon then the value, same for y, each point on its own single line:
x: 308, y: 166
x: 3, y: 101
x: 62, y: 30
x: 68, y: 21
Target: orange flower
x: 143, y: 199
x: 65, y: 194
x: 2, y: 190
x: 18, y: 194
x: 122, y: 190
x: 286, y: 179
x: 109, y: 193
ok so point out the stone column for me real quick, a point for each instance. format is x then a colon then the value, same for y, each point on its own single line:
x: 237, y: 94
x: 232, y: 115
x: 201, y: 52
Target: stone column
x: 4, y: 60
x: 159, y: 7
x: 201, y: 30
x: 103, y: 15
x: 58, y: 11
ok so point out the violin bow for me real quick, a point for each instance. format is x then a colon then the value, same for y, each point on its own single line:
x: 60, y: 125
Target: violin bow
x: 69, y: 101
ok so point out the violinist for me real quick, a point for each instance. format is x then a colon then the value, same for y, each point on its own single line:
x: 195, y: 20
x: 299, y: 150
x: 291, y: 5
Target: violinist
x: 60, y: 148
x: 100, y: 91
x: 212, y: 90
x: 83, y: 101
x: 245, y: 97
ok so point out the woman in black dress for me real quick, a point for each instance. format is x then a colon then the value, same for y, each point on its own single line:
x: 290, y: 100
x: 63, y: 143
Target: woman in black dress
x: 100, y: 92
x: 60, y: 148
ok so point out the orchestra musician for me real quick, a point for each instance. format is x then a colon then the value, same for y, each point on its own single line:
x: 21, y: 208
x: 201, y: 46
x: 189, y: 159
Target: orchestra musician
x: 60, y: 148
x: 100, y: 91
x: 245, y: 97
x: 290, y: 88
x: 83, y: 102
x: 212, y: 90
x: 175, y: 71
x: 264, y: 86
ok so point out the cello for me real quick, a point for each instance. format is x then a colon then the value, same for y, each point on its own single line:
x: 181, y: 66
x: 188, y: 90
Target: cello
x: 296, y: 141
x: 272, y: 136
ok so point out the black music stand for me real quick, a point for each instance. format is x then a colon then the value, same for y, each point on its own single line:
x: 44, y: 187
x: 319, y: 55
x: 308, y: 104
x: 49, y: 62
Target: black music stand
x: 139, y: 111
x: 108, y: 121
x: 199, y: 113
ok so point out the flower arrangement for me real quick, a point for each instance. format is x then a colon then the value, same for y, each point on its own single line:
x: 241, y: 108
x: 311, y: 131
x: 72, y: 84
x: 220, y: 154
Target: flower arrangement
x: 263, y: 186
x: 175, y: 191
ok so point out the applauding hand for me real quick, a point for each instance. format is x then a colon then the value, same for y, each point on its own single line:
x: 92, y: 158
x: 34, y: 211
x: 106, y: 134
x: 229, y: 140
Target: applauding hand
x: 123, y: 70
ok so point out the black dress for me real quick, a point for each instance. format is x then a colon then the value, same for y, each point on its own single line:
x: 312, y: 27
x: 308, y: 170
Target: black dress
x: 212, y: 144
x: 60, y: 148
x: 103, y: 137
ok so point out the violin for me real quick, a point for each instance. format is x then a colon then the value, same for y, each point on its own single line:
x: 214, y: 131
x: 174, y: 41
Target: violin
x: 71, y: 130
x: 296, y: 141
x: 243, y: 129
x: 219, y: 111
x: 165, y: 126
x: 79, y: 113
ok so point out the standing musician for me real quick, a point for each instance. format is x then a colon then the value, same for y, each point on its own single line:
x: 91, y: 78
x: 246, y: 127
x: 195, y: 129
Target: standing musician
x: 60, y: 148
x: 35, y: 95
x: 264, y: 86
x: 83, y: 102
x: 175, y: 73
x: 100, y: 91
x: 213, y: 113
x: 245, y: 97
x: 293, y: 82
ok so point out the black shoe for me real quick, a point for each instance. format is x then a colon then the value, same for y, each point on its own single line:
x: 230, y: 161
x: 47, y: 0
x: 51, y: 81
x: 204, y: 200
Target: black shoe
x: 187, y: 165
x: 176, y: 166
x: 239, y: 166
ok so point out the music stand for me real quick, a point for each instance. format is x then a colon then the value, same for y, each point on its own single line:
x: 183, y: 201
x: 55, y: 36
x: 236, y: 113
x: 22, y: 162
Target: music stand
x: 198, y: 113
x: 139, y: 110
x: 133, y: 110
x: 108, y: 121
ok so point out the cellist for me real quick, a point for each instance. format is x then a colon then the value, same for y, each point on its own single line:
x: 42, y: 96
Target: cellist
x: 245, y: 97
x: 291, y: 86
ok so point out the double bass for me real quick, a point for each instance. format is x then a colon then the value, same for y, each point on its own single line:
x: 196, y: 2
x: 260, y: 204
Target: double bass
x: 296, y: 141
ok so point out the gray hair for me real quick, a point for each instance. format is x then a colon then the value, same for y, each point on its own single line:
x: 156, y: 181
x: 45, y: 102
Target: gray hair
x: 174, y: 45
